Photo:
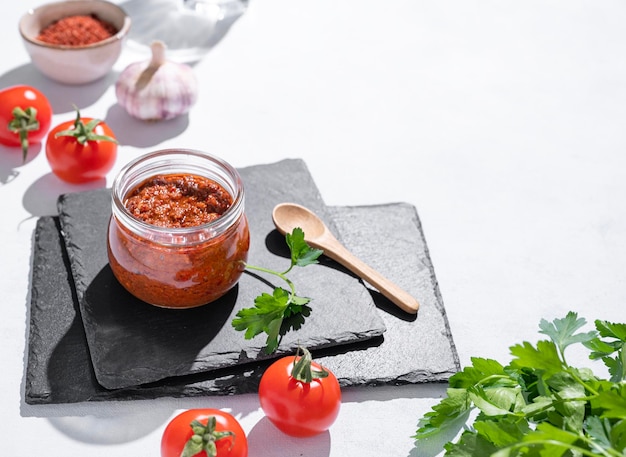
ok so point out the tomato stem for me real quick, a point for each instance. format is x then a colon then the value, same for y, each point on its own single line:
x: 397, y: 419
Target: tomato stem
x: 24, y: 121
x: 85, y: 132
x: 204, y: 438
x: 302, y: 369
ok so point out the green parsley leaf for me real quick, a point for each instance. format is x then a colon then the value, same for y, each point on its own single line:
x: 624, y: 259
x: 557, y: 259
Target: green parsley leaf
x: 569, y: 403
x: 545, y: 435
x: 277, y: 313
x: 563, y: 331
x: 543, y: 358
x: 612, y: 403
x: 611, y: 330
x: 612, y: 351
x: 506, y: 432
x: 618, y: 435
x: 470, y: 444
x: 537, y: 405
x: 450, y: 414
x: 266, y: 309
x: 481, y: 371
x: 599, y: 431
x: 496, y: 401
x: 301, y: 253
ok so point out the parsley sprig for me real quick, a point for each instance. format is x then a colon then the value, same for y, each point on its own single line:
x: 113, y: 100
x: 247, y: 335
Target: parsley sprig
x: 538, y: 405
x: 275, y: 313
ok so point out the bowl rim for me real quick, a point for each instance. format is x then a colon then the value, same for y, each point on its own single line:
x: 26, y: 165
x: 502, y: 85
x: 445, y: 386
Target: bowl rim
x: 120, y: 35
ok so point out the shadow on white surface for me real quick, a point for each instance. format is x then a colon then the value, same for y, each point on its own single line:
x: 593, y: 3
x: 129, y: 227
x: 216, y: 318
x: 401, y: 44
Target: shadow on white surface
x: 61, y: 97
x: 130, y: 131
x: 40, y: 199
x: 432, y: 447
x: 11, y: 161
x: 115, y: 428
x: 267, y: 440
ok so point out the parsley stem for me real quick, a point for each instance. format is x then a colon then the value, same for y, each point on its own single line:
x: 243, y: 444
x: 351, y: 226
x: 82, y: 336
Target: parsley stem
x: 587, y: 387
x: 282, y: 310
x: 571, y: 447
x: 282, y: 276
x: 486, y: 381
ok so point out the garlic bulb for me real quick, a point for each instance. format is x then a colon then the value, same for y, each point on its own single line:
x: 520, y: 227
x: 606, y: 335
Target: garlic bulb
x: 157, y: 89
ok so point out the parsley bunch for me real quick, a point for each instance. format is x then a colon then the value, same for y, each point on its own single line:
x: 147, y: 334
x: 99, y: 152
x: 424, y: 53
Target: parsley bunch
x: 539, y: 405
x: 274, y: 314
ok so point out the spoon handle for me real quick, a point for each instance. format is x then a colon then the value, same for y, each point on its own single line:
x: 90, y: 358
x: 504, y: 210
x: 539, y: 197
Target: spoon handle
x: 339, y: 253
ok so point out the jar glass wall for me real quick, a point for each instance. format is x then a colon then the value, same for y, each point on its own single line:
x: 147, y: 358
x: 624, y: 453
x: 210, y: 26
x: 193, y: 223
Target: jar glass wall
x: 178, y: 267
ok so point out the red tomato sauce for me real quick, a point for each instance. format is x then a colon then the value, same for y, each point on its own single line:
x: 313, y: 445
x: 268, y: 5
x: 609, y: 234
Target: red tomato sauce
x: 178, y: 201
x: 77, y: 30
x: 188, y: 273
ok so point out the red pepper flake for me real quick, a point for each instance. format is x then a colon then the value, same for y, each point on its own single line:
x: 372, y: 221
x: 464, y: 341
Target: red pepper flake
x: 78, y: 30
x: 175, y: 200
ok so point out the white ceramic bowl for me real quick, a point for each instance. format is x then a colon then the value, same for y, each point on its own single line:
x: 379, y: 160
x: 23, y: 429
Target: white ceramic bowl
x: 74, y: 64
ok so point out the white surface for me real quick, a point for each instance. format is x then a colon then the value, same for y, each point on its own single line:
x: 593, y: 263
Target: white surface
x: 502, y: 121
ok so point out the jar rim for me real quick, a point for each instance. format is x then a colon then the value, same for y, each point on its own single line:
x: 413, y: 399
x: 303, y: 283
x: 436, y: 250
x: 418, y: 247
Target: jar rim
x: 147, y: 165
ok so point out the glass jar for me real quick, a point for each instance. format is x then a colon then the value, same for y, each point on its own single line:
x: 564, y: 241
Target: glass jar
x: 178, y: 267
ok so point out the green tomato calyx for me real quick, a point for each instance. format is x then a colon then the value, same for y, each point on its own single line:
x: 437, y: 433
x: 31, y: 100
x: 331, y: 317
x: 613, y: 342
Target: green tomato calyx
x: 204, y: 438
x: 84, y: 132
x: 302, y: 369
x: 24, y: 121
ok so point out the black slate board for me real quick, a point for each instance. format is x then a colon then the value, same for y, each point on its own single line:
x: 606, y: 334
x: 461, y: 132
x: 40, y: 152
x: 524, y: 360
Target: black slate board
x: 412, y: 350
x: 133, y: 343
x: 390, y: 239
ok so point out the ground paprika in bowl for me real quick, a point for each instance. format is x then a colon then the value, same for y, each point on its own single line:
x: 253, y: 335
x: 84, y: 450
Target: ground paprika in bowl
x: 77, y: 30
x: 75, y: 42
x: 178, y: 236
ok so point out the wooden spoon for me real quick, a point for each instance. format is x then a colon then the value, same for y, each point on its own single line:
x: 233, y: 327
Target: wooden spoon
x: 288, y: 216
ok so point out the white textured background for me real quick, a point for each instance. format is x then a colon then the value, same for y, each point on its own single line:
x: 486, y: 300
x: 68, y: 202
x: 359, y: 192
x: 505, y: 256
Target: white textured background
x: 501, y: 121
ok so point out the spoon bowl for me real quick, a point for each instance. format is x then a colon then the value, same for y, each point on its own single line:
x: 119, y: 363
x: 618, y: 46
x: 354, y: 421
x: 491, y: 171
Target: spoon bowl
x: 287, y: 216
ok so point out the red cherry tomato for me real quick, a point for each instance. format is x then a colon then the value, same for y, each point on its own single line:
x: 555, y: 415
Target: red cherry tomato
x: 81, y: 150
x: 25, y: 116
x: 204, y: 433
x: 297, y: 397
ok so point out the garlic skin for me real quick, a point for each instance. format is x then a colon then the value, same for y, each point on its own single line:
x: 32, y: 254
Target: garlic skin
x: 157, y: 89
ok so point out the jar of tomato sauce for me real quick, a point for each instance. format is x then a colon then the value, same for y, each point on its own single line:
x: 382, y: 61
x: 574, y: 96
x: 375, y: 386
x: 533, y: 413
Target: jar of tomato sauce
x: 178, y: 236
